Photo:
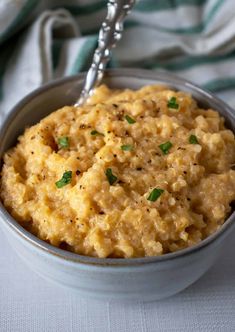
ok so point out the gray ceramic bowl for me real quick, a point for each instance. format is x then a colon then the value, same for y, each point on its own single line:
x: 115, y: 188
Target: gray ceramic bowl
x: 132, y: 279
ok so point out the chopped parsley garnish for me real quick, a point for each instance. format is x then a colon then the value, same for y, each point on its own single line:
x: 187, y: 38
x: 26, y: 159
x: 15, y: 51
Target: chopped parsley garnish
x: 127, y: 147
x: 96, y: 133
x: 172, y: 103
x: 110, y: 176
x: 129, y: 119
x: 63, y: 142
x: 165, y: 147
x: 66, y: 179
x: 193, y: 139
x: 155, y: 194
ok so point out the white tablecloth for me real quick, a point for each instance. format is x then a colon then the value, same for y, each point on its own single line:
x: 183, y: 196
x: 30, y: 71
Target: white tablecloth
x: 30, y: 304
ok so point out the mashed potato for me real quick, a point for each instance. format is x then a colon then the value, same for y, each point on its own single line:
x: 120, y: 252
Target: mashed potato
x: 130, y: 174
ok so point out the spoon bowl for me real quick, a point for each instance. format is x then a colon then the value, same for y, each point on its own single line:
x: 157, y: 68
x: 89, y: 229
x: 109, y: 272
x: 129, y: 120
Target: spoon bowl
x: 147, y: 278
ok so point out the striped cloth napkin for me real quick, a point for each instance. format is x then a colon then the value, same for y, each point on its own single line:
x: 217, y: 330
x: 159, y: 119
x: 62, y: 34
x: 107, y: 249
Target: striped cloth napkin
x: 41, y: 40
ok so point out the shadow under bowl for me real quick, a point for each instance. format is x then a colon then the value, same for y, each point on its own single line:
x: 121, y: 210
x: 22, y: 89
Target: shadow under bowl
x: 146, y: 279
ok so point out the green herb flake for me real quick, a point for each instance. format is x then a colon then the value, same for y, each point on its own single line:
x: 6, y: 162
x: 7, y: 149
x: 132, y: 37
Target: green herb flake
x: 66, y: 179
x: 165, y: 147
x: 96, y: 133
x: 193, y: 139
x: 155, y: 194
x: 127, y: 147
x: 172, y: 103
x: 110, y: 176
x: 63, y: 142
x: 129, y: 119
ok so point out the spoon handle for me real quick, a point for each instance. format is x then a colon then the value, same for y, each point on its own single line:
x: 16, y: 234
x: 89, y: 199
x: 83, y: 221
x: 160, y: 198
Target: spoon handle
x: 110, y: 33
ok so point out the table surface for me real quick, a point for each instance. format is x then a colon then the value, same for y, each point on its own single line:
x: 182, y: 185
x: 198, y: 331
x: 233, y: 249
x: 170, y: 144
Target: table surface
x: 30, y: 303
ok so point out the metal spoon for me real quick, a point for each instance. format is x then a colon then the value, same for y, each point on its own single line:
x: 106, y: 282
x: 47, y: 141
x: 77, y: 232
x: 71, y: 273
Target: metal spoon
x: 110, y: 33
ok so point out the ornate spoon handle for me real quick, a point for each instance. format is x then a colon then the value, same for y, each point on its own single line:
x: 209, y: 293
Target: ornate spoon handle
x: 110, y: 33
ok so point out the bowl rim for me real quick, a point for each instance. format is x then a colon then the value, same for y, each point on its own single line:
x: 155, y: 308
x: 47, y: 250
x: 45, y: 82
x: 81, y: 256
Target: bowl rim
x: 111, y: 262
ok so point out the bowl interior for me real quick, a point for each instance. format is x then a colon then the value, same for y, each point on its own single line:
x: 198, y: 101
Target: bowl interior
x: 65, y: 92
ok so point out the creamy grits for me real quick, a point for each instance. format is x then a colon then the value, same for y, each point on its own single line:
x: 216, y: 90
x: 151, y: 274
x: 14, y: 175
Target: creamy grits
x: 129, y: 174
